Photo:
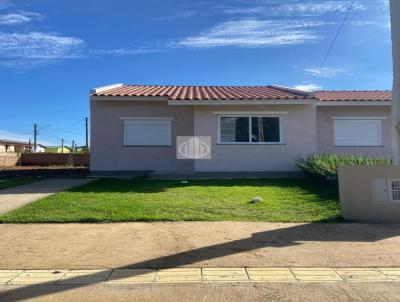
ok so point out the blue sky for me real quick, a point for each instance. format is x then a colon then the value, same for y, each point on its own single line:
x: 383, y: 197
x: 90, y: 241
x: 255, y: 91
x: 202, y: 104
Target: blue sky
x: 53, y: 52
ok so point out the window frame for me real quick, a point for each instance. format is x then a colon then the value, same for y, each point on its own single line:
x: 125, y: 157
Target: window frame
x: 250, y: 116
x: 359, y: 118
x: 127, y: 119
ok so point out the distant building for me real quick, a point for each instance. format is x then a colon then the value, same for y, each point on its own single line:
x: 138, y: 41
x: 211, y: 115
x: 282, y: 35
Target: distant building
x: 11, y: 146
x: 57, y: 149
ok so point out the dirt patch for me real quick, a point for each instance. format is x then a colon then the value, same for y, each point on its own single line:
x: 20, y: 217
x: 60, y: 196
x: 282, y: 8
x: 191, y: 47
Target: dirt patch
x: 198, y: 244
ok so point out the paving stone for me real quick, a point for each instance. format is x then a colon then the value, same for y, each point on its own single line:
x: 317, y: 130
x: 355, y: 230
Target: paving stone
x: 392, y: 273
x: 178, y: 275
x: 8, y: 275
x: 316, y: 275
x: 37, y: 276
x: 84, y: 276
x: 270, y: 275
x: 132, y: 276
x: 362, y: 275
x: 225, y: 275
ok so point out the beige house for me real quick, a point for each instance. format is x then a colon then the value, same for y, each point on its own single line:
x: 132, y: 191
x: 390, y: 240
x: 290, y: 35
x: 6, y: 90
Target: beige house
x: 11, y: 146
x: 243, y: 129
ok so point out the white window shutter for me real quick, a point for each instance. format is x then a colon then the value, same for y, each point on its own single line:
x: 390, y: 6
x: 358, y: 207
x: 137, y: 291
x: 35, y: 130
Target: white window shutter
x: 147, y: 132
x: 357, y: 132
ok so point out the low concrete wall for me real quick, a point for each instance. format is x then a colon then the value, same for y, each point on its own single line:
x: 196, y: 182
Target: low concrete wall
x: 9, y: 159
x: 54, y: 159
x: 357, y: 198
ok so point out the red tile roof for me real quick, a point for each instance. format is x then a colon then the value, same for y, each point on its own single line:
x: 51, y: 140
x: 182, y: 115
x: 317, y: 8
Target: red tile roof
x: 238, y: 93
x: 371, y: 95
x: 206, y: 92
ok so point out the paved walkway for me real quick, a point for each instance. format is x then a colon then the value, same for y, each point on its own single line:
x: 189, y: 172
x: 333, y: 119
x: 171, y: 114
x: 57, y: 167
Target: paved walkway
x: 16, y: 197
x: 191, y: 275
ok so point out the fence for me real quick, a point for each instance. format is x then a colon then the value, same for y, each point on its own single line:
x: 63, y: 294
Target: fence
x: 54, y: 159
x: 9, y: 159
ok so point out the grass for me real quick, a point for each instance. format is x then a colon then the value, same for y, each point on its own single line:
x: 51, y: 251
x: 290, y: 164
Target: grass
x: 12, y: 182
x: 116, y: 200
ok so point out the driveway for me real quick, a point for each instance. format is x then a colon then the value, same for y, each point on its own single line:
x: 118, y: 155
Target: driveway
x: 198, y: 244
x: 16, y: 197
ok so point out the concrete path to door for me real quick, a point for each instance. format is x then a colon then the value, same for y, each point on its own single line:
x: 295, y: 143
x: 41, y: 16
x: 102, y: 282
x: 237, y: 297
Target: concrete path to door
x: 16, y: 197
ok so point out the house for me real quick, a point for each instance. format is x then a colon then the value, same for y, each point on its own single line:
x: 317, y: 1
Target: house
x: 11, y: 146
x: 57, y: 149
x: 249, y: 128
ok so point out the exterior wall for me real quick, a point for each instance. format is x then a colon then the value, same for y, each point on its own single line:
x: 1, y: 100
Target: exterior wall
x: 108, y: 152
x: 299, y: 136
x: 356, y: 194
x: 325, y: 128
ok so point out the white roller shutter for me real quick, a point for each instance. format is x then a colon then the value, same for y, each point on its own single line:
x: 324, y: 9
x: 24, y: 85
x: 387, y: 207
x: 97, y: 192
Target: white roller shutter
x: 147, y: 132
x: 357, y: 132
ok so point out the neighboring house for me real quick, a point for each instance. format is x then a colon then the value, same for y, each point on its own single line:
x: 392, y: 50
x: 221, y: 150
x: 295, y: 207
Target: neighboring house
x: 57, y: 149
x: 11, y: 146
x: 135, y: 128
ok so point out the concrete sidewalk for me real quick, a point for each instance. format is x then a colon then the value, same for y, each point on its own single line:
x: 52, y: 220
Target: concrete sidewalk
x: 16, y: 197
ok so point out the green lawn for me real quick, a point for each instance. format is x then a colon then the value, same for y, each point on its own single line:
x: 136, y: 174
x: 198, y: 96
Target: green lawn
x: 113, y: 200
x: 12, y: 182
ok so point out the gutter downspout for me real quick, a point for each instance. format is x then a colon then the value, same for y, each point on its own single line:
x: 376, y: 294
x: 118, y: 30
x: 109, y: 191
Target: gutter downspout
x: 395, y: 113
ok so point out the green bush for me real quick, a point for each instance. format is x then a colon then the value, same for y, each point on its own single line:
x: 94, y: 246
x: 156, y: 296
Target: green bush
x: 323, y: 167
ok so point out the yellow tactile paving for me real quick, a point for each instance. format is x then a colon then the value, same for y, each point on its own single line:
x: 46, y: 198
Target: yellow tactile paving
x: 84, y: 276
x: 270, y: 275
x: 316, y: 275
x: 225, y: 275
x: 38, y: 276
x: 178, y: 275
x: 132, y: 276
x: 362, y: 275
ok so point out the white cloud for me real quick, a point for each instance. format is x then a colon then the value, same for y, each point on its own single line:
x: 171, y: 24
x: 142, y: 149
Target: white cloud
x: 304, y: 8
x: 253, y: 33
x: 19, y: 18
x: 179, y: 15
x: 38, y: 45
x: 22, y: 136
x: 316, y: 8
x: 325, y: 72
x: 124, y: 51
x: 308, y: 87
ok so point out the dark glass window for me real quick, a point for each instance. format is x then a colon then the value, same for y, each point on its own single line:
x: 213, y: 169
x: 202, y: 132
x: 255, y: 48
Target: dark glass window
x: 265, y: 129
x: 234, y: 129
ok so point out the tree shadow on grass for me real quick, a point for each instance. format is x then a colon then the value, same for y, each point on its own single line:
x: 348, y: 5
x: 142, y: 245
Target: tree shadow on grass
x: 278, y: 238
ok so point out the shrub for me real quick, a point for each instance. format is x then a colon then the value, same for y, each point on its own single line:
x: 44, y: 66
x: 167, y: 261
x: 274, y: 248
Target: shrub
x: 323, y: 167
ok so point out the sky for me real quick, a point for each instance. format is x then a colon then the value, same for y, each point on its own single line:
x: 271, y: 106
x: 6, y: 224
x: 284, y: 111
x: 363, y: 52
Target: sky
x: 53, y: 52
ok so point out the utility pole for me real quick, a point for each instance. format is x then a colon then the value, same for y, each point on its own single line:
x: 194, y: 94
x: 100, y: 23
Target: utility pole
x: 62, y: 145
x: 30, y: 146
x: 35, y: 132
x: 395, y: 113
x: 73, y: 146
x: 87, y: 132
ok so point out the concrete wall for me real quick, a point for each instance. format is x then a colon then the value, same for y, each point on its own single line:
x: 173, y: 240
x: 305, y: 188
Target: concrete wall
x: 356, y: 194
x: 299, y: 135
x: 9, y: 159
x: 325, y: 128
x: 108, y: 152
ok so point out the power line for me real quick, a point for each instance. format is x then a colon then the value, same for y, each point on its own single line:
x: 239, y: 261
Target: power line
x: 70, y: 125
x: 337, y: 35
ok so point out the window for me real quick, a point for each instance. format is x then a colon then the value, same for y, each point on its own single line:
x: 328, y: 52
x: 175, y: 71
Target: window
x: 147, y: 131
x: 357, y: 132
x: 249, y: 129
